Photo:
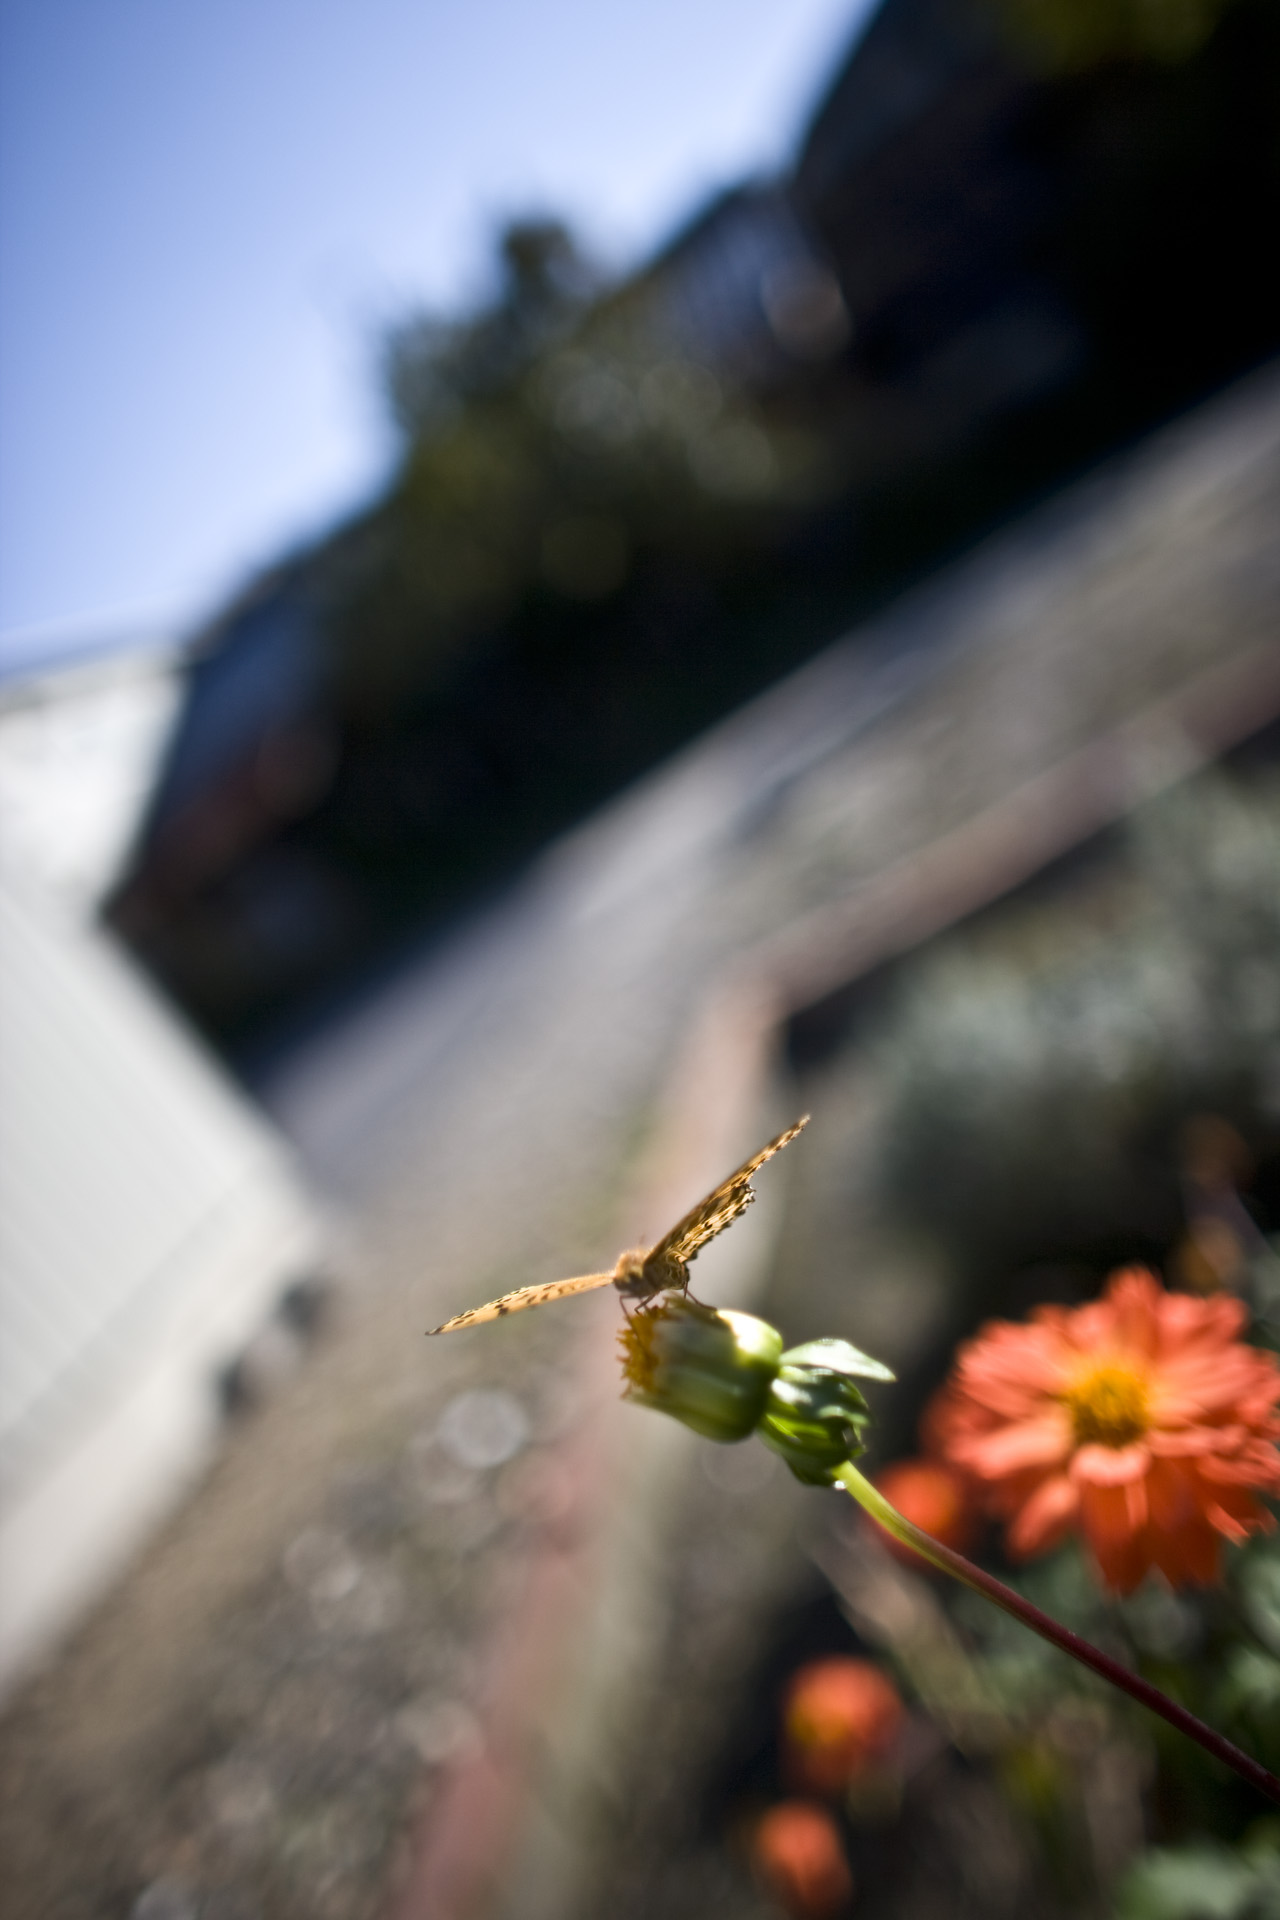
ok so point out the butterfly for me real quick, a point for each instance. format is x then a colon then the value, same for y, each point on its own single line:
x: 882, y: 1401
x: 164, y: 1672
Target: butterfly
x: 642, y: 1272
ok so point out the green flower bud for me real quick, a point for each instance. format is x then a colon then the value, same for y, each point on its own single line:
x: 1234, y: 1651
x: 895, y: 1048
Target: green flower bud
x: 815, y: 1415
x: 713, y: 1370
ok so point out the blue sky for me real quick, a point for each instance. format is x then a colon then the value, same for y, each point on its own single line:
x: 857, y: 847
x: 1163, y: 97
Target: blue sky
x: 208, y: 210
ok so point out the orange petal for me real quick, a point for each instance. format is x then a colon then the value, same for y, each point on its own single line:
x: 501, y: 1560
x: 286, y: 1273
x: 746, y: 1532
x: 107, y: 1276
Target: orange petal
x: 1011, y: 1370
x: 1225, y: 1523
x: 1043, y: 1442
x: 1110, y: 1466
x: 1044, y: 1518
x: 1186, y: 1321
x: 1179, y: 1443
x: 1115, y: 1545
x: 1189, y: 1556
x: 1136, y: 1505
x: 1172, y: 1499
x: 1135, y: 1296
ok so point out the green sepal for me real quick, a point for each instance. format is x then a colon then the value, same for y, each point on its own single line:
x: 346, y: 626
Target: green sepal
x: 814, y: 1418
x: 837, y: 1356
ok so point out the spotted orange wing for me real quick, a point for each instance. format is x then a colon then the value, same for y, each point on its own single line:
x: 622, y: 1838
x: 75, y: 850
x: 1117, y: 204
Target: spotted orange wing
x: 523, y: 1297
x: 723, y: 1206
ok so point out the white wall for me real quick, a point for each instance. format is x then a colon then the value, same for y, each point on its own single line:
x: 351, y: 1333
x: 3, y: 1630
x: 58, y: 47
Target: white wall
x: 149, y: 1222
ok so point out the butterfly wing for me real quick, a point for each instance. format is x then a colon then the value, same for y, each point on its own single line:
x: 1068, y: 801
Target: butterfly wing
x: 710, y: 1217
x: 723, y: 1206
x: 523, y: 1297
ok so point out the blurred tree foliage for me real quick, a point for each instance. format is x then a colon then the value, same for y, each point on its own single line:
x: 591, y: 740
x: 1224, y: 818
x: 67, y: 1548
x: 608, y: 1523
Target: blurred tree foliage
x: 1076, y: 34
x: 583, y: 510
x: 557, y: 448
x: 620, y: 510
x: 433, y: 368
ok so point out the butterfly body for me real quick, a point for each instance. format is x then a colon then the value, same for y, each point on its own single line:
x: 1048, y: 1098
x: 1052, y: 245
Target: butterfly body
x: 641, y: 1273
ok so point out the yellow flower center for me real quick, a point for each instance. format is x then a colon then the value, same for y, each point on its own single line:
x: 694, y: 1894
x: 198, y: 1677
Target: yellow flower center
x: 638, y: 1340
x: 1108, y: 1406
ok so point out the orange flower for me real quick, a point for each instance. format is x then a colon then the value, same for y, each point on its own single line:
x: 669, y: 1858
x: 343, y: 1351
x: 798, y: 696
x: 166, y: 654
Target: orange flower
x: 1140, y: 1419
x: 934, y: 1497
x: 799, y: 1855
x: 839, y: 1715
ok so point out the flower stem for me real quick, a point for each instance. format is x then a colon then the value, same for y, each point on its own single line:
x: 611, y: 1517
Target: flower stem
x: 948, y: 1561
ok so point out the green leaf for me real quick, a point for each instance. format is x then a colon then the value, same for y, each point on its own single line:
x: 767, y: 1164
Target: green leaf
x: 837, y: 1356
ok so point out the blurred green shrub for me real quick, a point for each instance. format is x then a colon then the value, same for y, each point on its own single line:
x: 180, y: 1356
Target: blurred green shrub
x: 1035, y: 1069
x: 1206, y: 1882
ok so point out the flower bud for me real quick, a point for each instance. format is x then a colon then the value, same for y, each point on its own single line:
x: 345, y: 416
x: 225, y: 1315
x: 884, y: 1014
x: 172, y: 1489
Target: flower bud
x: 798, y: 1853
x: 815, y: 1415
x: 713, y: 1370
x: 840, y: 1718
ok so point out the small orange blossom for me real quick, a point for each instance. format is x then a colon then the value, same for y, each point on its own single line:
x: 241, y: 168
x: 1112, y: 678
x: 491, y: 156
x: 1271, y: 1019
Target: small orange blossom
x: 840, y: 1715
x: 799, y: 1855
x: 933, y: 1496
x: 1141, y: 1419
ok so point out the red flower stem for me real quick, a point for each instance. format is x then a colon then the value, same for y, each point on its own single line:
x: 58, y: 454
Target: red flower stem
x: 948, y: 1561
